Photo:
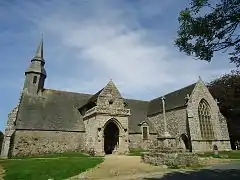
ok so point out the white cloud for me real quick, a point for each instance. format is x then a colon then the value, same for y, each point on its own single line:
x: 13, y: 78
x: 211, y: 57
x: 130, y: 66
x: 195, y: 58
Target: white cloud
x: 115, y: 45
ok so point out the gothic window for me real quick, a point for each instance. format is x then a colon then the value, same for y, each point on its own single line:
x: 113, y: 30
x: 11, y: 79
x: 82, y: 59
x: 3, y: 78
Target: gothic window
x: 34, y: 79
x: 204, y: 114
x: 145, y: 133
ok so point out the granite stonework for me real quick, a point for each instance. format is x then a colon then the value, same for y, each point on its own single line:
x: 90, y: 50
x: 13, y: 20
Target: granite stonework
x: 136, y: 141
x: 9, y: 132
x: 176, y: 122
x: 44, y: 142
x: 184, y: 121
x: 170, y: 159
x: 49, y: 121
x: 221, y: 136
x: 109, y: 107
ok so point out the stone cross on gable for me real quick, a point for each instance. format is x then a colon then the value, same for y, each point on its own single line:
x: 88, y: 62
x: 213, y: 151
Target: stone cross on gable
x: 163, y: 98
x: 187, y: 97
x: 217, y: 101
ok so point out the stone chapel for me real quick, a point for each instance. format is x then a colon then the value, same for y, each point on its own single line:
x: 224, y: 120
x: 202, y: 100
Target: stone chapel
x: 53, y: 121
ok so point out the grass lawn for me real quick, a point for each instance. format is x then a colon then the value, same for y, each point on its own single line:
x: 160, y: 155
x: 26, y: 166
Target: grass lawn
x: 56, y: 155
x: 135, y: 152
x: 55, y: 167
x: 222, y: 154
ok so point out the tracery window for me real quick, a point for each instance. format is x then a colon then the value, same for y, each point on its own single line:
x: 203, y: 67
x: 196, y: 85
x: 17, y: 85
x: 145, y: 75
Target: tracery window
x: 204, y: 114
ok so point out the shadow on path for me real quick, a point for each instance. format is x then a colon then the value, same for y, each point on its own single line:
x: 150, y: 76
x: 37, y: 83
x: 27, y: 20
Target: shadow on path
x: 203, y: 174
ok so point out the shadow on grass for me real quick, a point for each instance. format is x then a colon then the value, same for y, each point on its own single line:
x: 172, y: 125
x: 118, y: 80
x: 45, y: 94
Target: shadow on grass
x: 203, y: 174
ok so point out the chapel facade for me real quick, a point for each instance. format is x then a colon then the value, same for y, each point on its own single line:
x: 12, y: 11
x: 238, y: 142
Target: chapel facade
x: 52, y: 121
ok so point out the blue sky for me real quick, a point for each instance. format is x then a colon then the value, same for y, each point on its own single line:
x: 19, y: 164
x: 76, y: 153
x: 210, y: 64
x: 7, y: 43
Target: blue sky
x: 86, y: 43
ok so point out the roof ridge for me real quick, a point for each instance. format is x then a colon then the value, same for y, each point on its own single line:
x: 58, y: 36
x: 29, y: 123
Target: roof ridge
x: 66, y: 91
x: 174, y: 91
x: 136, y: 100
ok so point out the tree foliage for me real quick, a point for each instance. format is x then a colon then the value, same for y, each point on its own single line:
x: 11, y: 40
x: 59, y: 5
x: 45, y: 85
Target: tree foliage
x: 226, y: 90
x: 207, y: 27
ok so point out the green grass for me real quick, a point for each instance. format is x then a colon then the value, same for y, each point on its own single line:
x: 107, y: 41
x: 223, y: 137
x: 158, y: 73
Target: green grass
x: 222, y: 154
x: 55, y: 155
x: 57, y: 168
x: 136, y: 152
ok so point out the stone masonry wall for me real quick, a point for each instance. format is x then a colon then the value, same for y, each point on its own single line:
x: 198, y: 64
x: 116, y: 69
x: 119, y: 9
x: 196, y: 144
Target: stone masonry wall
x: 122, y: 123
x: 200, y: 146
x: 176, y: 122
x: 91, y: 125
x: 111, y: 94
x: 201, y: 92
x: 110, y: 107
x: 9, y: 130
x: 136, y: 141
x: 223, y: 125
x: 42, y: 142
x: 95, y: 132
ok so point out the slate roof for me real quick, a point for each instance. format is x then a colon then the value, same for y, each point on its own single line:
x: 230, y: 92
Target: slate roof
x: 91, y: 100
x: 58, y: 110
x: 138, y: 115
x: 54, y: 110
x: 173, y: 100
x: 95, y: 96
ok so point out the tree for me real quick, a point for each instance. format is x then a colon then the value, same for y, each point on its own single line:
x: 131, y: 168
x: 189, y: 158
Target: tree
x: 206, y: 28
x: 226, y: 90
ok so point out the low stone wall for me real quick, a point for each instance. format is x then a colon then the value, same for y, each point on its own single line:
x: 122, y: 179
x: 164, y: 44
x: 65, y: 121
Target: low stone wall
x: 170, y: 159
x: 27, y: 143
x: 136, y: 141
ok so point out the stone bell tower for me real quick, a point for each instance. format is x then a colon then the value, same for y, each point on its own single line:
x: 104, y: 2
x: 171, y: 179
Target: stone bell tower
x: 35, y: 75
x: 34, y: 82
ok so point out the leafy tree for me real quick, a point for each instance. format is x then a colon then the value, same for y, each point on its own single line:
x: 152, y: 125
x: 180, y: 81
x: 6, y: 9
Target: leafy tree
x: 209, y: 27
x: 226, y: 90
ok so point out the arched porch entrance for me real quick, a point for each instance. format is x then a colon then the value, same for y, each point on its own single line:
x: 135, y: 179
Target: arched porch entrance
x: 111, y: 137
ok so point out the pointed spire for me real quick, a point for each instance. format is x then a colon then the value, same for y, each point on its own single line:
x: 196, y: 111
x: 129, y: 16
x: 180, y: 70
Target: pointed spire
x: 39, y: 52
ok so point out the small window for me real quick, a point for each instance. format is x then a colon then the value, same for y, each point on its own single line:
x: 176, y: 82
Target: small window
x: 145, y: 133
x: 34, y: 79
x: 110, y: 102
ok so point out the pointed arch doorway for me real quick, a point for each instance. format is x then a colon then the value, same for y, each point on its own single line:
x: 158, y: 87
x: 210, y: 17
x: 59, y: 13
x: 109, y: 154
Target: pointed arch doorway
x: 111, y: 137
x: 184, y: 139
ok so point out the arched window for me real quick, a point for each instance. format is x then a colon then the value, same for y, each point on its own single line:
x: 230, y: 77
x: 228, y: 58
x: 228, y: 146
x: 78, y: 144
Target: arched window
x: 145, y: 133
x: 145, y: 130
x: 204, y: 114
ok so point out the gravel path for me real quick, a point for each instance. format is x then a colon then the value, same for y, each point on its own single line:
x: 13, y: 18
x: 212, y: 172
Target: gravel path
x: 120, y: 167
